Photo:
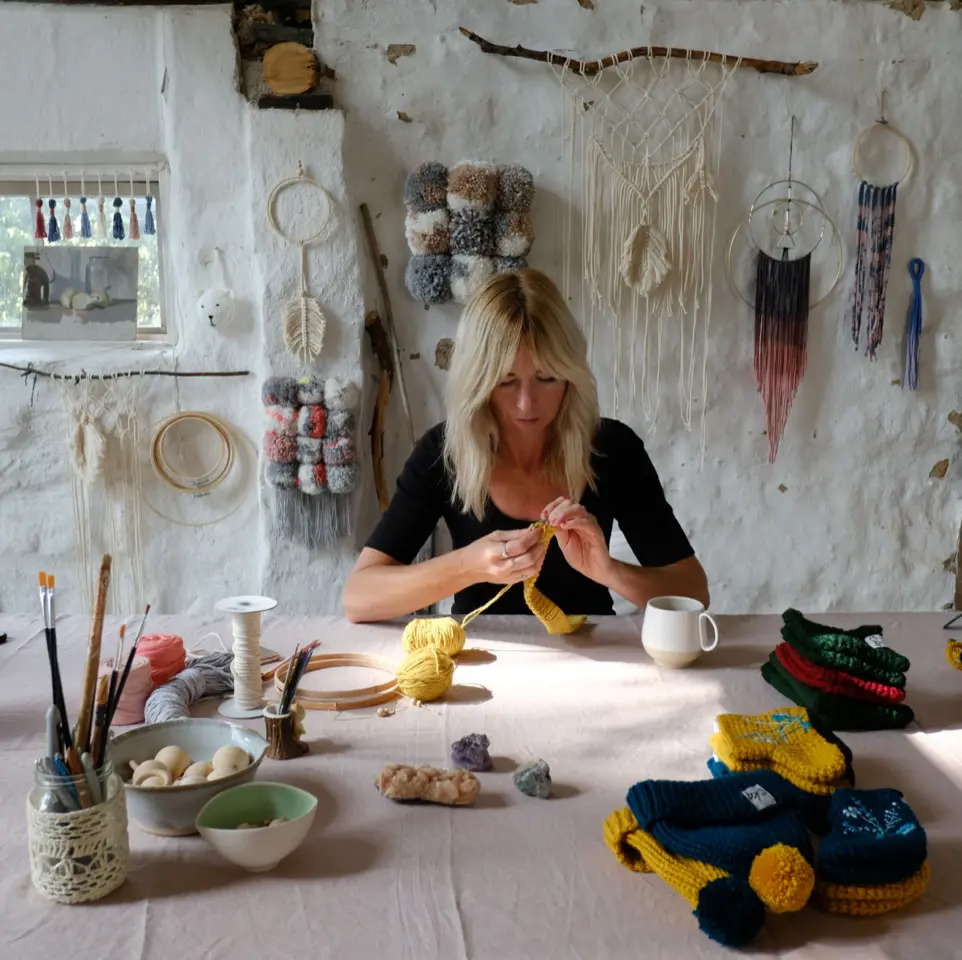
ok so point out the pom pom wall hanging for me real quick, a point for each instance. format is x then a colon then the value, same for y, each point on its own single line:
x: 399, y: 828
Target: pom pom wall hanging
x: 464, y: 225
x: 311, y: 457
x: 875, y: 235
x: 304, y: 321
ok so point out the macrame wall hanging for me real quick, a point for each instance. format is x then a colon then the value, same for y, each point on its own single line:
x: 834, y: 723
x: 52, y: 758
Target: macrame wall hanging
x: 311, y: 460
x: 786, y: 224
x: 875, y: 235
x: 304, y: 321
x: 465, y: 225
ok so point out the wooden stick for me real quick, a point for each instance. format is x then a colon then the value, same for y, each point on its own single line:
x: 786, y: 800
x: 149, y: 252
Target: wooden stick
x: 589, y: 67
x: 375, y: 251
x: 385, y: 380
x: 31, y: 371
x: 82, y: 732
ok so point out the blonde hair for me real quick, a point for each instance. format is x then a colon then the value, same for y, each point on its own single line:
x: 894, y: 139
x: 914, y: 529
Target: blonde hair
x: 520, y: 308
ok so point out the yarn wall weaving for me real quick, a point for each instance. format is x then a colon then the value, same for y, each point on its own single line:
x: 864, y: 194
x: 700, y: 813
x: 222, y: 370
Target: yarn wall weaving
x: 465, y: 225
x: 311, y: 458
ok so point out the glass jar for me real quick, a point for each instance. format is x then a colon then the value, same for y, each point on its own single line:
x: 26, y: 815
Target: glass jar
x: 56, y: 793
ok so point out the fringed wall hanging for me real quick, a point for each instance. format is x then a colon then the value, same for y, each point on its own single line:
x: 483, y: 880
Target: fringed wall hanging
x: 311, y: 459
x: 149, y: 226
x: 794, y: 228
x: 53, y: 228
x: 913, y: 327
x: 133, y: 225
x: 118, y: 225
x: 304, y: 322
x: 40, y: 231
x: 101, y: 216
x: 67, y: 222
x: 875, y: 229
x: 85, y: 231
x: 465, y: 225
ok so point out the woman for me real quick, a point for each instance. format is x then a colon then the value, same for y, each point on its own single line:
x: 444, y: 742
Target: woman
x: 523, y: 441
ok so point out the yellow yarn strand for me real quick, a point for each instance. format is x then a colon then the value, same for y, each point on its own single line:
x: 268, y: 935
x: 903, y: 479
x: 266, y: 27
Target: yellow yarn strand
x: 423, y: 675
x: 953, y: 653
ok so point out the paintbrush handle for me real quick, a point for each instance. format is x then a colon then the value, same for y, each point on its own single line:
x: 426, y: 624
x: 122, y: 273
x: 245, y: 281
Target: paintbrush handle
x: 82, y: 735
x: 98, y: 740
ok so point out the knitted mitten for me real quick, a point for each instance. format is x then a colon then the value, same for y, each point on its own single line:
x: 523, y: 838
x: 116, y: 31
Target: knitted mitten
x: 871, y: 900
x: 864, y: 643
x: 832, y: 680
x: 785, y: 740
x: 618, y: 827
x: 555, y: 620
x: 729, y: 821
x: 842, y: 661
x: 875, y: 838
x: 840, y: 713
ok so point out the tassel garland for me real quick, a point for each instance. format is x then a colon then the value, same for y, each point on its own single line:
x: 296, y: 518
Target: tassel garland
x: 101, y: 218
x: 781, y: 337
x: 913, y: 328
x: 134, y: 230
x: 149, y: 227
x: 67, y: 224
x: 85, y: 231
x: 40, y: 233
x: 53, y: 228
x: 876, y: 232
x: 118, y: 233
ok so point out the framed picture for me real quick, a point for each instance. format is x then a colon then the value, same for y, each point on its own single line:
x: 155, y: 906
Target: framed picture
x: 79, y: 293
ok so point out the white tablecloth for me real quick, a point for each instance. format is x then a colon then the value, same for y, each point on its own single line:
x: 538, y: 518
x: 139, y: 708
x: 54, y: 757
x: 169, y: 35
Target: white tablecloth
x: 513, y: 878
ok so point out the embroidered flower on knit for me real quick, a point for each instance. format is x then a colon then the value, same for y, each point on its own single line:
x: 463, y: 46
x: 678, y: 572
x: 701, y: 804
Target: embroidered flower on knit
x: 858, y: 819
x: 776, y: 728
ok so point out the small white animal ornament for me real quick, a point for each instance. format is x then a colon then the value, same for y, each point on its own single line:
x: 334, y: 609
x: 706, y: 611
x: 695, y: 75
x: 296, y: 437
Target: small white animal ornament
x: 216, y: 306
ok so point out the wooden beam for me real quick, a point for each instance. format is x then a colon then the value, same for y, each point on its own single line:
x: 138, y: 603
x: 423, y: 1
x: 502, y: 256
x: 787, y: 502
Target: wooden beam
x: 129, y: 3
x: 278, y: 33
x: 274, y: 4
x: 304, y: 101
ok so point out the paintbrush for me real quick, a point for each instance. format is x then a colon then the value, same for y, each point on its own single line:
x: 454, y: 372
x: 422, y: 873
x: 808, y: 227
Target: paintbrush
x: 119, y: 691
x: 269, y: 674
x: 99, y: 743
x: 294, y: 679
x: 290, y: 674
x: 85, y: 716
x: 50, y: 631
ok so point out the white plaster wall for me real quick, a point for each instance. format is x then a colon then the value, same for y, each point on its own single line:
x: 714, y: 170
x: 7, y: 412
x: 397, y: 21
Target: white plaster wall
x: 859, y: 525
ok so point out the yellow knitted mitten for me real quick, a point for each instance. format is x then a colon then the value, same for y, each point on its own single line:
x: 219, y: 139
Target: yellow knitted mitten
x: 782, y: 740
x: 555, y: 620
x: 618, y: 827
x: 870, y: 901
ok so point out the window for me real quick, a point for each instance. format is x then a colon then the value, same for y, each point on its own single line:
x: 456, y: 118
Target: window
x: 18, y: 217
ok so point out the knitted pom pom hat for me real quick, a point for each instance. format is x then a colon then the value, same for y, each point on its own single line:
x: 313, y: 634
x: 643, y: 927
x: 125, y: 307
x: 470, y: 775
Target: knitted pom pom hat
x: 833, y: 680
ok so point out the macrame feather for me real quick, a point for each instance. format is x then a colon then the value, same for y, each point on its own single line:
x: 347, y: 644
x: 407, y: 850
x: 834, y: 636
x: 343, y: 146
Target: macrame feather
x: 87, y: 450
x: 645, y: 259
x: 304, y: 325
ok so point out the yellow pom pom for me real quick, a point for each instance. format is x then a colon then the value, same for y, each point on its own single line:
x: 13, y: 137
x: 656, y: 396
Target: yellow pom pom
x: 782, y: 878
x: 953, y: 652
x: 425, y: 674
x: 443, y: 632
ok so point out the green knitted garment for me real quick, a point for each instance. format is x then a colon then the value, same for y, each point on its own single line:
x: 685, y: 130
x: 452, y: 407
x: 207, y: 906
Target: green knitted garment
x: 845, y: 649
x: 838, y: 712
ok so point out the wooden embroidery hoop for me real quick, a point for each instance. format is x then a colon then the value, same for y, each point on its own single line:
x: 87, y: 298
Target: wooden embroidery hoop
x: 351, y: 699
x: 883, y: 124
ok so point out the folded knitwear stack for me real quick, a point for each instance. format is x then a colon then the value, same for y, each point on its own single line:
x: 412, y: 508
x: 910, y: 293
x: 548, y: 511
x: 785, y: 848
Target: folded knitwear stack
x: 849, y: 678
x: 464, y: 225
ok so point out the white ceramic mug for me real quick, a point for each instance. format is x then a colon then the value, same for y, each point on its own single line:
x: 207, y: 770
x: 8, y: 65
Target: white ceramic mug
x: 674, y: 632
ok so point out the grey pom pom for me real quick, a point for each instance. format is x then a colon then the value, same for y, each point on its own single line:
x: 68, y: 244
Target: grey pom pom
x: 310, y: 390
x: 279, y: 392
x: 428, y: 277
x: 340, y: 395
x: 342, y: 479
x: 282, y: 475
x: 469, y: 275
x: 310, y: 449
x: 513, y: 234
x: 472, y: 232
x: 508, y: 264
x: 339, y: 422
x: 427, y: 187
x: 472, y: 185
x: 515, y: 188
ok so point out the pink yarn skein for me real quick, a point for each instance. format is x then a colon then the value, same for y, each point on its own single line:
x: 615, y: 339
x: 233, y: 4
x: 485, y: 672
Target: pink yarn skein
x: 166, y: 654
x: 130, y: 707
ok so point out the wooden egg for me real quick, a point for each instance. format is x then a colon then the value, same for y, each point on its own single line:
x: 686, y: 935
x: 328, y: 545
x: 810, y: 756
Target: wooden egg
x: 154, y: 780
x: 186, y: 781
x: 175, y: 759
x: 230, y: 759
x: 219, y: 774
x: 201, y: 769
x: 149, y: 769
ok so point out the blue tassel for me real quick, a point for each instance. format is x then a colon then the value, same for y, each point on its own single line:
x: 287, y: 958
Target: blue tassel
x: 118, y: 220
x: 149, y: 218
x: 53, y: 228
x: 913, y: 328
x: 85, y: 230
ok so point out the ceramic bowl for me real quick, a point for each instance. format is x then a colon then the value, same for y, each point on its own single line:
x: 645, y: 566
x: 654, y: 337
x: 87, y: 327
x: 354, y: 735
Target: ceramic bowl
x: 172, y: 811
x: 260, y: 848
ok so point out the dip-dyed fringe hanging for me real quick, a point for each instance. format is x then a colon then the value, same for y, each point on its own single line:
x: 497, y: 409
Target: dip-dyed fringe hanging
x: 876, y: 231
x: 781, y: 337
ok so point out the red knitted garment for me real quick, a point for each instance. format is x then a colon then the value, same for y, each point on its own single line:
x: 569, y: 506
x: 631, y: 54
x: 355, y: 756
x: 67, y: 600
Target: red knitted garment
x: 836, y: 681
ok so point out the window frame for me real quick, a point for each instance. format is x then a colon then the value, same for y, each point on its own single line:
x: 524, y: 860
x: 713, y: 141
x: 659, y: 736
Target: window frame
x: 15, y: 176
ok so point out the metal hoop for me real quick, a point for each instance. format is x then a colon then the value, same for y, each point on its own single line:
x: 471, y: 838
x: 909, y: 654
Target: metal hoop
x: 906, y: 143
x: 835, y: 235
x: 791, y: 182
x: 301, y: 178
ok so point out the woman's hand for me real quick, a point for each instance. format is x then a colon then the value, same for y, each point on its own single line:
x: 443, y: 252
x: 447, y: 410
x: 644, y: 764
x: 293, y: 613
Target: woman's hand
x: 504, y: 556
x: 581, y: 539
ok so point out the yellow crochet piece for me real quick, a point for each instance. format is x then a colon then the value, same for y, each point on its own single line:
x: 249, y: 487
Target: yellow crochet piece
x: 618, y: 827
x: 870, y: 901
x: 782, y: 740
x: 953, y: 653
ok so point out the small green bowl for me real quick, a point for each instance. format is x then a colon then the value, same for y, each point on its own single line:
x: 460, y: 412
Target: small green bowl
x: 260, y: 848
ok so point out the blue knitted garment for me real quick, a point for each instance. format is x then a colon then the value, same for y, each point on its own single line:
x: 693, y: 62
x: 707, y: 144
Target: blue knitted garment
x: 725, y: 822
x: 875, y: 838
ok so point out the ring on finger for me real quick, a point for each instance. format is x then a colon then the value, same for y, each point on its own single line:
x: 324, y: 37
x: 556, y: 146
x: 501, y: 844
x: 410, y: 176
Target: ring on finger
x: 504, y: 549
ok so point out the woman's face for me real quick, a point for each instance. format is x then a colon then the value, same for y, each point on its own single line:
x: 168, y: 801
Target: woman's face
x: 526, y: 399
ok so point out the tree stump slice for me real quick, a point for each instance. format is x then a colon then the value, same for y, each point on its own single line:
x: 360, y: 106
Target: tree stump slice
x: 290, y: 68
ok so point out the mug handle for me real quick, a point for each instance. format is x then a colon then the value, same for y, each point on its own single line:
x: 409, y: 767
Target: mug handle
x: 702, y: 617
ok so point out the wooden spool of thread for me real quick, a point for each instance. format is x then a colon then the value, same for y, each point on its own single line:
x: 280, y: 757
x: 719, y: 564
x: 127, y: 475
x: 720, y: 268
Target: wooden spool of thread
x: 130, y: 706
x: 166, y: 654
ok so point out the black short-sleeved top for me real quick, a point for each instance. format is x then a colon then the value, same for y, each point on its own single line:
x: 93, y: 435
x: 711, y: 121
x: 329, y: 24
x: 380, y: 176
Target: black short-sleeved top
x: 628, y: 490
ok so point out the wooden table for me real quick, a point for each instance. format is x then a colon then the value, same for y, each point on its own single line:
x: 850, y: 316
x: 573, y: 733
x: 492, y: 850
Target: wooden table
x: 513, y: 878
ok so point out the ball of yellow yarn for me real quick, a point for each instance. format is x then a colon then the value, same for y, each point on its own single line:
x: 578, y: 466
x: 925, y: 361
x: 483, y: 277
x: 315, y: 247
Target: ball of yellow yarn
x: 782, y: 878
x: 425, y: 674
x: 442, y: 632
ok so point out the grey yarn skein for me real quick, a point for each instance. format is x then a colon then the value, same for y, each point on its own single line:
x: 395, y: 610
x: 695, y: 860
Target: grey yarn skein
x: 208, y: 676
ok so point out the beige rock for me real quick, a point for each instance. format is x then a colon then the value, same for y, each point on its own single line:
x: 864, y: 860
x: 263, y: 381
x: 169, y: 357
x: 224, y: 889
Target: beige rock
x: 399, y: 781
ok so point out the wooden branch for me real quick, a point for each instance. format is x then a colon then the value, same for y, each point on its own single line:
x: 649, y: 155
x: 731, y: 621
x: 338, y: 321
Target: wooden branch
x: 375, y: 251
x: 382, y: 352
x: 302, y: 101
x: 31, y: 371
x: 593, y: 66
